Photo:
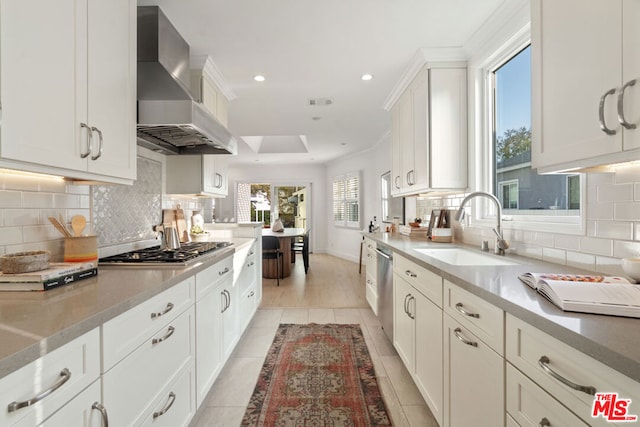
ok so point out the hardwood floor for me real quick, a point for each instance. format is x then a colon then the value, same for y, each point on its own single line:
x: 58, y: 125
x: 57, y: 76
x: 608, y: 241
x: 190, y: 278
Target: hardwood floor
x: 330, y: 283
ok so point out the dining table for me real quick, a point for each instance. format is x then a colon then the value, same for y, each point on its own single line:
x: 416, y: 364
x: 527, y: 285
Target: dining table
x: 285, y: 237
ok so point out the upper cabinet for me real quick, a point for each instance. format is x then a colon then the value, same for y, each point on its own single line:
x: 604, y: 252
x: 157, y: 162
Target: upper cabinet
x: 68, y: 88
x: 586, y: 103
x: 429, y: 132
x: 204, y: 175
x: 209, y: 87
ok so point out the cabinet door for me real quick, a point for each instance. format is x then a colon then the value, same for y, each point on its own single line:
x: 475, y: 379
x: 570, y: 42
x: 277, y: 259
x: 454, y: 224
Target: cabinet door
x: 420, y: 111
x: 42, y: 108
x: 396, y: 151
x: 230, y: 324
x: 209, y: 182
x: 474, y: 381
x: 405, y: 106
x: 403, y: 323
x: 222, y: 175
x: 428, y: 373
x: 448, y: 128
x: 112, y: 86
x: 208, y: 341
x: 577, y: 59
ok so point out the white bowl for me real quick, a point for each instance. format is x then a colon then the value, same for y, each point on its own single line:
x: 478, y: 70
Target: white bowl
x: 631, y: 267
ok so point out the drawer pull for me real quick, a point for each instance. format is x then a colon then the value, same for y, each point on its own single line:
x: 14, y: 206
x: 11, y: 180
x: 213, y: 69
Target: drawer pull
x: 223, y: 272
x: 544, y: 364
x: 410, y: 273
x: 544, y: 422
x: 250, y: 264
x: 251, y: 294
x: 460, y: 308
x: 65, y: 375
x: 103, y: 413
x: 458, y: 331
x: 165, y: 311
x: 169, y: 404
x: 170, y: 332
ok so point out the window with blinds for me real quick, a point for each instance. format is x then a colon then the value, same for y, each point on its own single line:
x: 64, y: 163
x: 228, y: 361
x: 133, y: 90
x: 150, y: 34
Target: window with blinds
x: 346, y: 200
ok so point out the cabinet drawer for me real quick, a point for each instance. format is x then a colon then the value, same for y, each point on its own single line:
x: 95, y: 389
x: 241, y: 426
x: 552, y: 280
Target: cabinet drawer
x: 426, y: 282
x: 175, y: 405
x: 124, y: 333
x: 208, y: 278
x: 248, y: 273
x: 247, y: 306
x: 135, y: 382
x: 485, y: 320
x: 81, y: 357
x: 525, y: 348
x: 371, y: 293
x: 529, y: 405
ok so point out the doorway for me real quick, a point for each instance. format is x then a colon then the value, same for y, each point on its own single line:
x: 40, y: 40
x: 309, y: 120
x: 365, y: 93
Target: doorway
x: 264, y: 202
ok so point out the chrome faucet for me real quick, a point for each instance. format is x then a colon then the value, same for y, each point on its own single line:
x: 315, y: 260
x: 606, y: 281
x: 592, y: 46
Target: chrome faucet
x: 501, y: 244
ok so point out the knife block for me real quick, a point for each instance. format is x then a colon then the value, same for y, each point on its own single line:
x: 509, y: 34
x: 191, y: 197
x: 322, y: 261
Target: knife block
x: 81, y: 249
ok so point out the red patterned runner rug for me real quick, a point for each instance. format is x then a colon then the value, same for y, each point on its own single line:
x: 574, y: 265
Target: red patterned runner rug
x: 317, y: 375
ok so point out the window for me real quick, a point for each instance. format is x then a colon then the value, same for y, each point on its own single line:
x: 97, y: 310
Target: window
x: 520, y: 189
x: 346, y: 200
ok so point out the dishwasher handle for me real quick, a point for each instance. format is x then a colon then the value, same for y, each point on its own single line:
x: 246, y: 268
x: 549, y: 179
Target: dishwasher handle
x: 387, y: 256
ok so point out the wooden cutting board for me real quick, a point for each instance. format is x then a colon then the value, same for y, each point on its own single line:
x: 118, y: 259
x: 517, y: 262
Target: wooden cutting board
x: 181, y: 224
x: 169, y: 218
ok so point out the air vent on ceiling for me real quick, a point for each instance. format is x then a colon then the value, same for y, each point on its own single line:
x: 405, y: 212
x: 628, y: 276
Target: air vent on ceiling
x: 315, y: 102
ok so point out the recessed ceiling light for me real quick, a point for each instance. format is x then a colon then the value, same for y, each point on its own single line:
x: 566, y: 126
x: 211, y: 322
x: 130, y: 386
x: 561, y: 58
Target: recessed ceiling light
x: 259, y: 78
x: 366, y: 77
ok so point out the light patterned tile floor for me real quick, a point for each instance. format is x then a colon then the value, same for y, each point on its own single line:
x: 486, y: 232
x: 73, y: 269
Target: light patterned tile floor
x: 231, y: 392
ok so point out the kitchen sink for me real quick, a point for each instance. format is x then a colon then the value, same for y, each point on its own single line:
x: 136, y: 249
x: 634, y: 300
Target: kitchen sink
x: 459, y: 256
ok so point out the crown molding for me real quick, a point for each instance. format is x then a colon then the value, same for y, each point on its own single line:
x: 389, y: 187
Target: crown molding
x: 213, y: 73
x: 422, y: 57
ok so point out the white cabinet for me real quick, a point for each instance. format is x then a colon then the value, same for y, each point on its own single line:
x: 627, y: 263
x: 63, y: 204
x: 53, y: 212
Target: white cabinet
x: 429, y: 132
x: 63, y: 373
x: 207, y: 92
x: 571, y: 377
x: 247, y: 287
x: 216, y: 326
x: 371, y: 274
x: 584, y: 57
x: 417, y: 329
x: 474, y: 379
x: 197, y: 174
x: 78, y: 117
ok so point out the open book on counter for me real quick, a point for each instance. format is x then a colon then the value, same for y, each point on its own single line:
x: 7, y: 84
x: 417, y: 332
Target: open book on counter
x: 612, y: 295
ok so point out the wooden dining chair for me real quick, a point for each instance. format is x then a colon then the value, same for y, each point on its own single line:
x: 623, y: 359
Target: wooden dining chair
x: 271, y: 250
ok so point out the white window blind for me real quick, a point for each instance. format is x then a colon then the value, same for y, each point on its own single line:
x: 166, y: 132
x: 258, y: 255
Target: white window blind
x: 346, y: 200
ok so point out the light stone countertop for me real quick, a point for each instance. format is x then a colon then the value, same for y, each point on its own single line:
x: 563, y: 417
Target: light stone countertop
x: 33, y: 324
x: 612, y: 340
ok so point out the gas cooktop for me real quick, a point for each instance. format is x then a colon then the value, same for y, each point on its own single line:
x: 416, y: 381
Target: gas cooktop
x: 186, y: 254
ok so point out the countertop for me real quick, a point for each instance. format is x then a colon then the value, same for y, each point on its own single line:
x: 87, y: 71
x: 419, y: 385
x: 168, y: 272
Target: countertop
x: 33, y: 324
x: 614, y: 341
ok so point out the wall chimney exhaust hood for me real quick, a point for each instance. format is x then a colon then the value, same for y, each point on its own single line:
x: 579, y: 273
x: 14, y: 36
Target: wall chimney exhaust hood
x: 170, y: 121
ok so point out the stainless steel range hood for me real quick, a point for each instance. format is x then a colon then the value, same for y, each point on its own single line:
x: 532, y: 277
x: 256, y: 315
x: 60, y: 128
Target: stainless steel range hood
x: 169, y: 119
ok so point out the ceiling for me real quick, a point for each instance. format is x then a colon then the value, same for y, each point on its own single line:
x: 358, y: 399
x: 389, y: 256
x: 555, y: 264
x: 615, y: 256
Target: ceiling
x: 316, y: 49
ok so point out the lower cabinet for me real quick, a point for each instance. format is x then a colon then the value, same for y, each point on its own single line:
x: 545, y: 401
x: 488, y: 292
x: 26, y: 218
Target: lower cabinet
x: 417, y: 333
x: 474, y: 379
x: 49, y: 389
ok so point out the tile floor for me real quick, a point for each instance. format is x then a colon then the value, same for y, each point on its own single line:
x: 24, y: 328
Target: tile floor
x: 230, y: 394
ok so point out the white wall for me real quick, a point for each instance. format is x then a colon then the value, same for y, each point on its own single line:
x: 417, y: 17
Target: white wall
x: 284, y: 175
x: 342, y: 242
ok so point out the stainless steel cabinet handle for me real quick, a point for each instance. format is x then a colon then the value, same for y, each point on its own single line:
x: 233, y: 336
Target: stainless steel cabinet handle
x: 223, y: 272
x: 603, y: 125
x: 383, y: 255
x: 458, y: 333
x: 250, y: 264
x: 223, y: 295
x: 406, y: 304
x: 65, y: 375
x: 163, y: 312
x: 411, y: 312
x: 544, y: 364
x: 251, y: 294
x: 103, y: 413
x: 410, y: 273
x: 97, y: 156
x: 544, y: 422
x: 229, y: 295
x: 227, y: 300
x: 395, y: 181
x: 89, y: 140
x: 220, y: 182
x: 460, y: 308
x: 167, y: 406
x: 170, y: 331
x: 621, y: 117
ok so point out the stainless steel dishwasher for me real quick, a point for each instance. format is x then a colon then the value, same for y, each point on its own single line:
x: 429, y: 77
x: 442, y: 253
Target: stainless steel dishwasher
x: 385, y: 289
